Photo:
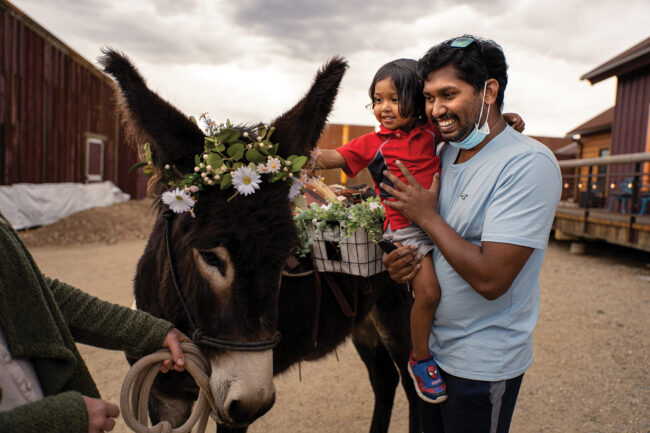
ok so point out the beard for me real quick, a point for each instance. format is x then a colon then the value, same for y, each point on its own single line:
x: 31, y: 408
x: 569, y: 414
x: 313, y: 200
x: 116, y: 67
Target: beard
x: 466, y: 128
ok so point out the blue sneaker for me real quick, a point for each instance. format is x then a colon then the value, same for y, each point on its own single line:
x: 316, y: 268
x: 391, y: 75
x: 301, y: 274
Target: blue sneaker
x: 428, y: 383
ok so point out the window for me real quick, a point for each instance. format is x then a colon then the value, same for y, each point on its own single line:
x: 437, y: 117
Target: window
x: 601, y: 180
x: 94, y: 159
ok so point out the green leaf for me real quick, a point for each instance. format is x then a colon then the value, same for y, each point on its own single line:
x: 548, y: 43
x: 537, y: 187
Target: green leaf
x: 275, y: 148
x: 297, y: 162
x: 147, y: 152
x: 136, y: 166
x: 226, y: 181
x: 236, y: 151
x: 220, y: 148
x: 254, y: 156
x: 197, y: 160
x: 214, y: 160
x: 228, y: 135
x: 236, y: 165
x: 277, y: 176
x: 148, y: 170
x: 261, y: 131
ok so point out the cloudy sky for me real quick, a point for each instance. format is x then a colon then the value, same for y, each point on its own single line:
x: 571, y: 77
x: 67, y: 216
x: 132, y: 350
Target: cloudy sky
x: 249, y: 60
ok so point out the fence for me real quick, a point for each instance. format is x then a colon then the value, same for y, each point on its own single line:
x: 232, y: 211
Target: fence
x: 601, y: 203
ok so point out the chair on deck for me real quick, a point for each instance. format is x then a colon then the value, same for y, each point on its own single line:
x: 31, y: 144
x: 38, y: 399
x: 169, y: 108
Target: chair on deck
x: 645, y: 203
x: 622, y: 195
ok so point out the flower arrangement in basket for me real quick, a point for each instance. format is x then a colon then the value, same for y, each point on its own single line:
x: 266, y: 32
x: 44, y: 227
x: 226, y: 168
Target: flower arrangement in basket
x: 343, y: 238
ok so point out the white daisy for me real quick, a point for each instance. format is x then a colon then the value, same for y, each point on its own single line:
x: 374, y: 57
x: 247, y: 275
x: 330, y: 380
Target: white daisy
x: 261, y: 168
x: 294, y: 190
x: 273, y: 165
x: 374, y: 205
x: 245, y: 180
x: 177, y: 200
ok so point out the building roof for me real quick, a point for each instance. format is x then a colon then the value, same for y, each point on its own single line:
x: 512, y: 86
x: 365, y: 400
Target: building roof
x: 628, y: 61
x: 600, y: 123
x: 44, y: 34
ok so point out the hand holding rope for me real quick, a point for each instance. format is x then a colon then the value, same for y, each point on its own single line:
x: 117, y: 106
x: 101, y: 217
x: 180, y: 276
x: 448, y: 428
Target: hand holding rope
x: 137, y: 384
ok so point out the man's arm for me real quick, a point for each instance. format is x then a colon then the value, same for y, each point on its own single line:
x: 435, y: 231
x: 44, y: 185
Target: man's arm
x: 489, y: 268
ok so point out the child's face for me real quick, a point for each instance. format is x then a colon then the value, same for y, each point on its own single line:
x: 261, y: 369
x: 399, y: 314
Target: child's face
x: 386, y: 107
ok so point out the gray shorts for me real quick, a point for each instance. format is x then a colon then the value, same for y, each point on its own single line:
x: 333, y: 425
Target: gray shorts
x: 411, y: 235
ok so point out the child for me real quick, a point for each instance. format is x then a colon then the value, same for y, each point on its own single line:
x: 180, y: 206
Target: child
x: 404, y: 134
x: 398, y: 104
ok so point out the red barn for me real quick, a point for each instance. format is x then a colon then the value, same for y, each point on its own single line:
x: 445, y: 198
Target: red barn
x: 57, y: 118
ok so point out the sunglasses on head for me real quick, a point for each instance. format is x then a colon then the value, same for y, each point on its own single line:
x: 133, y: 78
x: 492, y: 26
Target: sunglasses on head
x: 461, y: 42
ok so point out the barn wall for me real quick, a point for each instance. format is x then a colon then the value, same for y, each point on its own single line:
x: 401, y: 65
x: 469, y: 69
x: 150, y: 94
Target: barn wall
x: 51, y: 99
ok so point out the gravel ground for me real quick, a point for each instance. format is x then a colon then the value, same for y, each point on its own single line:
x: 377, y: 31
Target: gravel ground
x: 592, y: 344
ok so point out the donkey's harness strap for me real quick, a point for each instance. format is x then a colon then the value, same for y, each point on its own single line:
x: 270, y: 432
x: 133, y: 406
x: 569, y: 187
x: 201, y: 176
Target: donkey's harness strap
x: 197, y: 334
x: 169, y: 216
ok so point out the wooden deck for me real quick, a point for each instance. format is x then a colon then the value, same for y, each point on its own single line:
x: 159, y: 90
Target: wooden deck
x: 629, y: 230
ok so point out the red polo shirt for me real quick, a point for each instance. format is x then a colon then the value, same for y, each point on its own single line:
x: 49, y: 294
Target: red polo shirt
x: 379, y: 150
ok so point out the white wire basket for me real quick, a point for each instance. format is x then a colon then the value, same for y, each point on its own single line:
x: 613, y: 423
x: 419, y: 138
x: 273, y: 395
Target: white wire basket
x: 354, y: 255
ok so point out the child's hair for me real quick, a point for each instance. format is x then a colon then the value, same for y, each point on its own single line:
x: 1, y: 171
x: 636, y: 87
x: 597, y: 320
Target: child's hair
x: 404, y: 74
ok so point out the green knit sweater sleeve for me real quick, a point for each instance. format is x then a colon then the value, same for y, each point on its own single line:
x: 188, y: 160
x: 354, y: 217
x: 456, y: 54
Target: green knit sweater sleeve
x: 107, y: 325
x: 61, y: 413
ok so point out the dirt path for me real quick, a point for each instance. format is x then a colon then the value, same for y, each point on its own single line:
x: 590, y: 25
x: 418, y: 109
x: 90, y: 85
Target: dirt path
x: 591, y: 372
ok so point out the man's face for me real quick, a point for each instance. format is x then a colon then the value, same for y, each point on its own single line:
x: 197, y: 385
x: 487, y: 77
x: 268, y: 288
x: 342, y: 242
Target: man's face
x: 451, y: 103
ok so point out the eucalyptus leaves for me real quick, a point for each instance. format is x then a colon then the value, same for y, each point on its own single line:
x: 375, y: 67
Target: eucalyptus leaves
x: 231, y: 158
x: 368, y: 214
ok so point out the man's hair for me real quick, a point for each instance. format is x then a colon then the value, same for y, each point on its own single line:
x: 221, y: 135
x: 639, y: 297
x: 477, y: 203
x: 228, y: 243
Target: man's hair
x: 477, y: 62
x: 404, y: 74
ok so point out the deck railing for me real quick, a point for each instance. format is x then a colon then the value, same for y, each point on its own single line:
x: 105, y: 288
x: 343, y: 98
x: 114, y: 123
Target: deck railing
x: 591, y: 183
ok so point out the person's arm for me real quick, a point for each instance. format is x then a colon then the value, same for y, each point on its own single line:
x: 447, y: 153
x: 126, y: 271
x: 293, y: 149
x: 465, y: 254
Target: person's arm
x: 107, y: 325
x: 61, y: 413
x: 489, y: 268
x: 330, y: 158
x: 515, y: 121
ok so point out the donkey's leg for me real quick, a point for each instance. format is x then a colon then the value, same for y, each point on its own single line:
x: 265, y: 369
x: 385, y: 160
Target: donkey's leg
x: 390, y: 317
x: 381, y: 371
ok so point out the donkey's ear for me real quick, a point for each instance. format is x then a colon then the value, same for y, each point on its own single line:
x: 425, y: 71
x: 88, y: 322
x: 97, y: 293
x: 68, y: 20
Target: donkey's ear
x: 174, y: 138
x: 299, y: 129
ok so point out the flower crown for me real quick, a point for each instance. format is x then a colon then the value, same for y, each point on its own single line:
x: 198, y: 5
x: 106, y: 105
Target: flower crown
x: 232, y: 158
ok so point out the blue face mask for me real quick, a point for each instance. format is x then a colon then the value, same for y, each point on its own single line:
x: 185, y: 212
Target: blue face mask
x: 478, y: 134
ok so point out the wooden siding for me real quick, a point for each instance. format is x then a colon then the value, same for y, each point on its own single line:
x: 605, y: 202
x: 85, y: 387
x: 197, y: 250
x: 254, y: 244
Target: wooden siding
x: 51, y: 99
x: 630, y: 127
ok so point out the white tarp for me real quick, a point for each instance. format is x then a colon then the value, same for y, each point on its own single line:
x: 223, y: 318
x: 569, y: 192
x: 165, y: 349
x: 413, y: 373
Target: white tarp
x: 38, y: 204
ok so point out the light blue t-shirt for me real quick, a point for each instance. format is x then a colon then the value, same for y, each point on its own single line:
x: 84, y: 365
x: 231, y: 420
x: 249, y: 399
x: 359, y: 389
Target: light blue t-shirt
x: 508, y: 192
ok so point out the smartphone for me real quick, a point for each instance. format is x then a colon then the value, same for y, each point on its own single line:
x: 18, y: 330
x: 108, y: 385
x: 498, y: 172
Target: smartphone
x: 386, y: 245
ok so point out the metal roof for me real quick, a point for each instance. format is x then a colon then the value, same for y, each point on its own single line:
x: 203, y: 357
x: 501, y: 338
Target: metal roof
x: 599, y: 123
x: 629, y: 60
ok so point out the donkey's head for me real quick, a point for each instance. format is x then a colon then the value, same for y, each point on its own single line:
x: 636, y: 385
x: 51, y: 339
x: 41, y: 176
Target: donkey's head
x: 229, y: 257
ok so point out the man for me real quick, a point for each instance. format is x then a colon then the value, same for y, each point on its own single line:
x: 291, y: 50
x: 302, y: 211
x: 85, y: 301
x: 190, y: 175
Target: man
x: 489, y: 214
x: 44, y: 382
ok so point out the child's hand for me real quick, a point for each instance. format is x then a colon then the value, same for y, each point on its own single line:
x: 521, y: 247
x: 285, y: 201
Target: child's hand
x: 515, y: 121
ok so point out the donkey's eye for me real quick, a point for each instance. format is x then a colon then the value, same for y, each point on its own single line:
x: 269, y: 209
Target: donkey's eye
x: 213, y: 260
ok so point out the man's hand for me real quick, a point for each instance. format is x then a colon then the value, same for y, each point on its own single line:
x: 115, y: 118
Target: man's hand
x: 173, y: 341
x: 402, y: 264
x: 412, y: 200
x: 100, y: 414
